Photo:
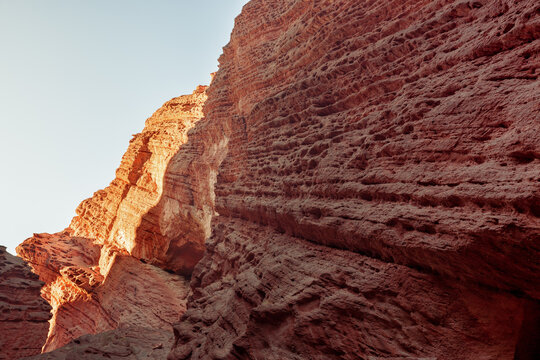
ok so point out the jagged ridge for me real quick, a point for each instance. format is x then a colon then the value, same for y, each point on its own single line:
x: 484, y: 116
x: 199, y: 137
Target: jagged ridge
x: 110, y: 268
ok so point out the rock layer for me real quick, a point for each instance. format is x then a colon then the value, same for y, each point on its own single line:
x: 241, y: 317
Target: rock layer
x: 396, y: 142
x: 259, y: 294
x: 24, y: 314
x: 119, y: 217
x: 109, y: 269
x: 132, y: 343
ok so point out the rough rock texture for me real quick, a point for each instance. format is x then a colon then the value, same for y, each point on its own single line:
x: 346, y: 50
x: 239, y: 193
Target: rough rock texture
x: 109, y: 269
x: 119, y: 217
x: 24, y: 314
x: 366, y: 180
x: 377, y: 180
x: 133, y: 343
x: 86, y: 302
x: 284, y: 298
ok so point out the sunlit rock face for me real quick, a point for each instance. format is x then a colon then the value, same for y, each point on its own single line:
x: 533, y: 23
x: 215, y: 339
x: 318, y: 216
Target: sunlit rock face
x: 377, y: 171
x: 110, y: 268
x: 125, y: 216
x: 24, y: 315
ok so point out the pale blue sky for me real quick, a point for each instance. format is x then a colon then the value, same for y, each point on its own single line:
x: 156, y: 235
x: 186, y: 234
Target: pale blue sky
x: 77, y: 79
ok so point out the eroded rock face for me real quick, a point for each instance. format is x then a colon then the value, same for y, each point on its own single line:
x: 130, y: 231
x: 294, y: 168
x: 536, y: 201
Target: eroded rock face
x: 119, y: 217
x: 24, y: 315
x: 366, y: 180
x: 132, y: 343
x: 85, y: 302
x: 109, y: 269
x: 379, y: 196
x: 264, y: 295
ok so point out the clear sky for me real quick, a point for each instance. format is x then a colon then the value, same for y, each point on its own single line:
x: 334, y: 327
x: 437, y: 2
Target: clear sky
x: 77, y: 79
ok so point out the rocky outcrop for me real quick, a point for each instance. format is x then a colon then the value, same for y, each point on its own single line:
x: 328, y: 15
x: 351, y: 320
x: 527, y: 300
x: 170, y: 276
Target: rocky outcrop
x: 379, y: 196
x: 24, y: 314
x: 109, y: 269
x: 119, y: 217
x: 83, y: 301
x: 262, y: 294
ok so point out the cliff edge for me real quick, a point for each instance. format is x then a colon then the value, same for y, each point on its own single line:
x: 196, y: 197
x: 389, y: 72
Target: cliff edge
x: 380, y: 193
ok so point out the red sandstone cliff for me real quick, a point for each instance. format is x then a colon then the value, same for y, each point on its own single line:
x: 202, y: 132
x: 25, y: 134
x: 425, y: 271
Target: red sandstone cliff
x: 108, y: 269
x: 24, y: 314
x: 366, y: 183
x: 380, y: 193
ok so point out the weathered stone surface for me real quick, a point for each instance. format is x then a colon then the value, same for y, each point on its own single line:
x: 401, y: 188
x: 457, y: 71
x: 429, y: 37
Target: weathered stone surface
x: 399, y: 139
x: 366, y: 179
x: 132, y: 293
x: 24, y: 314
x: 133, y: 343
x: 109, y: 268
x: 117, y: 217
x: 259, y: 294
x: 408, y: 132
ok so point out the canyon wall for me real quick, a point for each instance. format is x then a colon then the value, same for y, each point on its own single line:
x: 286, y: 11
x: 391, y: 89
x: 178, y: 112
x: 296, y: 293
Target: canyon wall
x: 364, y: 184
x: 380, y: 196
x: 24, y: 314
x: 109, y: 268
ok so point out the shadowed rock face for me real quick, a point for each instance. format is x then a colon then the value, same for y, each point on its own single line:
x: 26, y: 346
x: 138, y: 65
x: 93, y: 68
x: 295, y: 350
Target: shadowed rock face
x: 132, y: 343
x: 109, y: 268
x: 24, y: 314
x: 286, y: 298
x: 379, y: 197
